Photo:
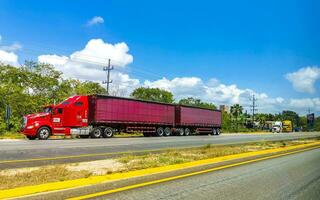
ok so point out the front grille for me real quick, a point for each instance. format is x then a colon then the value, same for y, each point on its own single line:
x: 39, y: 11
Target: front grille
x: 24, y: 122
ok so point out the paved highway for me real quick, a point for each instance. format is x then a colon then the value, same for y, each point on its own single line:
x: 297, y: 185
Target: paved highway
x: 26, y: 149
x: 295, y: 176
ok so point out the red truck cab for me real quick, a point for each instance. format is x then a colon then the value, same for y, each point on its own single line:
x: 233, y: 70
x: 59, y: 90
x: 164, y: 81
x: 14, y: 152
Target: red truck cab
x: 57, y: 120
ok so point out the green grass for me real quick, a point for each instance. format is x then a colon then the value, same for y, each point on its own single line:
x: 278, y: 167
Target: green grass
x: 10, y: 135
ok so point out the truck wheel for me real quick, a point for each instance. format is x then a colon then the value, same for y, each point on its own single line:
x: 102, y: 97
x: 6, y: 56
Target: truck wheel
x: 167, y: 131
x: 214, y: 131
x: 108, y: 132
x: 218, y: 131
x: 43, y: 133
x: 31, y: 137
x: 187, y: 132
x: 96, y: 133
x: 180, y: 132
x: 160, y: 132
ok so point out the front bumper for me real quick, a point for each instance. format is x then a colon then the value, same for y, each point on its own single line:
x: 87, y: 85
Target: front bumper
x: 29, y: 131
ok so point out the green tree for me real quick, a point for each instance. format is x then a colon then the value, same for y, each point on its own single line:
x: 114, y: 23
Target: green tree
x: 190, y: 101
x: 317, y: 124
x: 291, y: 115
x: 152, y: 94
x: 226, y: 122
x: 236, y: 112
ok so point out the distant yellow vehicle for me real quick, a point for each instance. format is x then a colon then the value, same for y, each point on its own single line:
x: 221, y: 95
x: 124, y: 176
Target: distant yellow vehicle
x: 287, y: 126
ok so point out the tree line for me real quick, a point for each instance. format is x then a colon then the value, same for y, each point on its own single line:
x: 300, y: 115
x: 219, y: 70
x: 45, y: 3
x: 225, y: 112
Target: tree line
x: 28, y: 88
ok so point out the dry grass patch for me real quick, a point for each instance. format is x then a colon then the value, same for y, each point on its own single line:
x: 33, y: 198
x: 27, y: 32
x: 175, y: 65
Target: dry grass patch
x: 39, y: 176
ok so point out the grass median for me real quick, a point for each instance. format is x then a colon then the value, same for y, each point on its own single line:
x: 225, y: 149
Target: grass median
x: 38, y: 175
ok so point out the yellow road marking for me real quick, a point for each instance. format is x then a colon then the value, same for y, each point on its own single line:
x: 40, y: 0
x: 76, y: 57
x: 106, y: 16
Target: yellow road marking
x: 27, y: 190
x: 182, y: 176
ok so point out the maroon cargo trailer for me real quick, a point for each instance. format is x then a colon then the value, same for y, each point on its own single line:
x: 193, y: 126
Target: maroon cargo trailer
x: 131, y: 115
x: 198, y: 119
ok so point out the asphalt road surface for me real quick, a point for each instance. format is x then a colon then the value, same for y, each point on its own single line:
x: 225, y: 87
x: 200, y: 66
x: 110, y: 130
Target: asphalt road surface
x: 295, y: 176
x: 28, y: 149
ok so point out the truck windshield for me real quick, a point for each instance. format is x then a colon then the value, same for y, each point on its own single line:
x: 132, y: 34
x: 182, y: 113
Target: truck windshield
x: 47, y: 110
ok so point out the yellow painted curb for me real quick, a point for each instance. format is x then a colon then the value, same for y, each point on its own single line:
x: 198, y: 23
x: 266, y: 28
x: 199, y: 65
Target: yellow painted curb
x: 27, y: 190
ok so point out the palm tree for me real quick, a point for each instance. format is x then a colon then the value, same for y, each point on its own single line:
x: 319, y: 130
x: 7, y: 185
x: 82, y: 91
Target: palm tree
x: 236, y: 111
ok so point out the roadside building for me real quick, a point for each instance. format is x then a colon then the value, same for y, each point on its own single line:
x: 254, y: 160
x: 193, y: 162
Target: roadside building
x: 225, y: 108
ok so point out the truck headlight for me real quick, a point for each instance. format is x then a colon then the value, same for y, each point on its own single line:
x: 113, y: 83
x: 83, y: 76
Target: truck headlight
x: 30, y: 127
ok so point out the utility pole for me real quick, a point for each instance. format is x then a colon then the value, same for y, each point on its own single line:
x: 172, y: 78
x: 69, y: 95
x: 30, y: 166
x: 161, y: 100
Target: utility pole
x: 108, y: 81
x: 253, y: 107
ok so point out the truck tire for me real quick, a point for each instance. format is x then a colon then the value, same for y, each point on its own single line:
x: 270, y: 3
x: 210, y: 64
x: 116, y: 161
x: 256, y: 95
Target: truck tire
x: 180, y: 132
x: 218, y: 131
x: 96, y: 133
x: 108, y: 132
x: 214, y: 131
x: 43, y: 133
x: 167, y: 132
x: 187, y: 132
x: 159, y: 132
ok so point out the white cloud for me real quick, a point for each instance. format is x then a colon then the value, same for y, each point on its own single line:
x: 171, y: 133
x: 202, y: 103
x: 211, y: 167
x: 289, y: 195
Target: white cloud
x: 87, y: 64
x: 0, y: 38
x: 8, y: 58
x: 11, y: 48
x: 304, y: 79
x: 95, y: 20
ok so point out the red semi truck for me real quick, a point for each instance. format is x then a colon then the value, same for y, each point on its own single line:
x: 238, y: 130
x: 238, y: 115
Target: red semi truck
x: 98, y: 116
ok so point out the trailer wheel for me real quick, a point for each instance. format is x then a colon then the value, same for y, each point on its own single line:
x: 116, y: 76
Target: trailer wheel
x: 214, y: 131
x: 187, y: 132
x: 96, y: 133
x: 43, y: 133
x: 160, y: 132
x: 108, y: 132
x: 180, y: 132
x: 167, y: 131
x: 218, y: 131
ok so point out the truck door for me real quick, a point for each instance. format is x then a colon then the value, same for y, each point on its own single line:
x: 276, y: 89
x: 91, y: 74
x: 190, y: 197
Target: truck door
x: 57, y: 121
x: 81, y: 114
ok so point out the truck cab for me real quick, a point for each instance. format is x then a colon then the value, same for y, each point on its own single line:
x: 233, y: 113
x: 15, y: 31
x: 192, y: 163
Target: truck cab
x: 57, y: 119
x: 277, y: 127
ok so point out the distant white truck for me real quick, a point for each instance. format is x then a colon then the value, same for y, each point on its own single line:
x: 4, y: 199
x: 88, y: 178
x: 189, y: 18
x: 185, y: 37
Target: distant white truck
x: 277, y: 127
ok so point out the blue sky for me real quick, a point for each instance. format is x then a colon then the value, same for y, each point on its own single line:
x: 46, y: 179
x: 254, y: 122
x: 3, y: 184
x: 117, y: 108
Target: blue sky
x: 247, y: 43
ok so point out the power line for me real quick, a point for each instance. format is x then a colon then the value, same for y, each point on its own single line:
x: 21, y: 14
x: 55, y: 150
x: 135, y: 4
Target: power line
x: 253, y: 106
x: 108, y: 69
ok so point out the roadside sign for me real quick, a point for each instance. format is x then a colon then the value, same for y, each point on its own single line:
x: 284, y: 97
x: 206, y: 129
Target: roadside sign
x: 310, y: 121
